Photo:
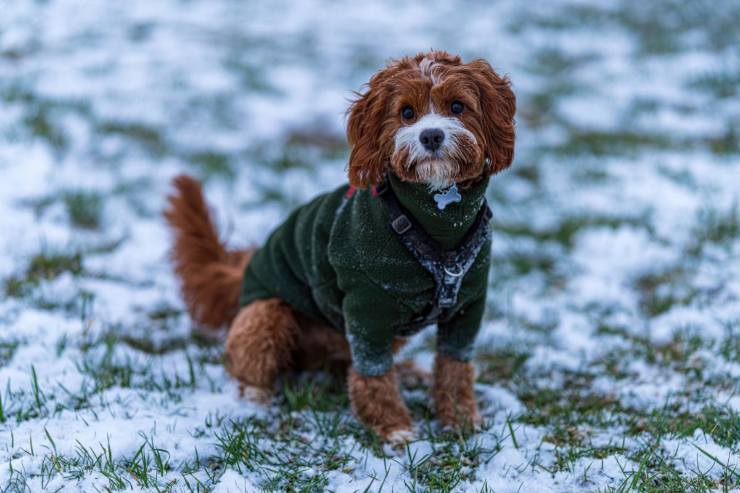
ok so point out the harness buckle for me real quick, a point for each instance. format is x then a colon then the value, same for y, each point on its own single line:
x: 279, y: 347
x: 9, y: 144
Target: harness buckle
x: 401, y: 224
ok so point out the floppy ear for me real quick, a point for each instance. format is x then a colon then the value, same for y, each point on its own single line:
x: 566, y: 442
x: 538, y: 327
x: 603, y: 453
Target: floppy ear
x: 498, y: 105
x: 364, y: 128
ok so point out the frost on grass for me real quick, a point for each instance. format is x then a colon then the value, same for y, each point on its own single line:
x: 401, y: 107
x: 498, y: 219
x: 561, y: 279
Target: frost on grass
x: 610, y: 358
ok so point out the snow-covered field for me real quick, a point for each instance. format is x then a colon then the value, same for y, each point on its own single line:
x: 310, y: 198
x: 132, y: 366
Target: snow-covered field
x: 610, y: 357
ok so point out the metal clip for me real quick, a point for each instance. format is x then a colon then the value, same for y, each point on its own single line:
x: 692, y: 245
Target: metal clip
x: 454, y: 273
x: 401, y: 224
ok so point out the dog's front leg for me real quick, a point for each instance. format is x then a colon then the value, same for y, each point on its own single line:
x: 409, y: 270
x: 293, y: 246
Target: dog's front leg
x: 454, y: 376
x: 377, y: 403
x: 453, y: 394
x: 370, y: 315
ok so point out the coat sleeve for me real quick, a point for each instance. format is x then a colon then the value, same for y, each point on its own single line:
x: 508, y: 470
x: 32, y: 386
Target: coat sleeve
x: 371, y: 316
x: 456, y: 336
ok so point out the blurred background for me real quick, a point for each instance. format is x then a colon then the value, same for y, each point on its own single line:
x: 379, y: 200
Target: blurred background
x: 615, y: 277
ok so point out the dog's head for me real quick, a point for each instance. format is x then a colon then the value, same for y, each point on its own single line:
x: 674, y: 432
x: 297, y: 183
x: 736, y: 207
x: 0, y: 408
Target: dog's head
x: 432, y: 119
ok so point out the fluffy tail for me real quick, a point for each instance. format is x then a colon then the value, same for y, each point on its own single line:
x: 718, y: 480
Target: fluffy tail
x: 210, y: 275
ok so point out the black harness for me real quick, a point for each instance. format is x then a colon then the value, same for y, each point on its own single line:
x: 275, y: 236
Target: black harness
x: 447, y: 267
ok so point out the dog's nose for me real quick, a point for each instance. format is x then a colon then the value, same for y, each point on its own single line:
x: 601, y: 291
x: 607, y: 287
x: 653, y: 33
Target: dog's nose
x: 431, y: 138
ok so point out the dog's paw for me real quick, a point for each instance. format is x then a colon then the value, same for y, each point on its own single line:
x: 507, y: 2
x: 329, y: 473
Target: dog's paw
x: 411, y: 376
x: 470, y: 423
x: 258, y: 395
x: 400, y: 438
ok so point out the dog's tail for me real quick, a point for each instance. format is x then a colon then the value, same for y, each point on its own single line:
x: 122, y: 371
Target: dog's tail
x: 210, y: 275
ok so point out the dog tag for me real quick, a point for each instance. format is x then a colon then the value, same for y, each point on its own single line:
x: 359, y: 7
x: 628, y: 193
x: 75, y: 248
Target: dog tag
x: 449, y: 197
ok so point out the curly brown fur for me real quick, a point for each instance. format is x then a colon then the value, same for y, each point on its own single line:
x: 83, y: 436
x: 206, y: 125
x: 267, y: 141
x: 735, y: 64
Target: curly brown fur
x: 411, y: 376
x: 377, y: 403
x: 210, y: 275
x: 428, y: 83
x: 261, y: 342
x: 452, y: 392
x: 321, y: 347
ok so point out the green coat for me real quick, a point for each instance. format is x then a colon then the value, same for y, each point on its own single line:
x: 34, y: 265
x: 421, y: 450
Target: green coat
x: 335, y: 259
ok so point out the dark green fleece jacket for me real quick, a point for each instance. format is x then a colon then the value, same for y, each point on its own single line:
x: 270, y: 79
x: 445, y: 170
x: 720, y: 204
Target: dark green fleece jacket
x: 336, y: 259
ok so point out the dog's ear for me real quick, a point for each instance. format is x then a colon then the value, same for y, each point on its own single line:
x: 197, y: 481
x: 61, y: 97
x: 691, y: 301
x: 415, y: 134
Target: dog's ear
x: 364, y: 134
x: 498, y: 105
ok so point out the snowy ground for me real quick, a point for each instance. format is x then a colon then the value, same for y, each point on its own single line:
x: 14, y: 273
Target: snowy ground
x: 610, y: 358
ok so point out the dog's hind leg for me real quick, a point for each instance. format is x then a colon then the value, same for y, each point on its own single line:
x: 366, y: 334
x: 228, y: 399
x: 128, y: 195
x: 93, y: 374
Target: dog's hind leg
x: 260, y: 344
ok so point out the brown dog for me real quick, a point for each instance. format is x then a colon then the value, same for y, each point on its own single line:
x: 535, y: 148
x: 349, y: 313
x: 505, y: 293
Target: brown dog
x: 352, y: 273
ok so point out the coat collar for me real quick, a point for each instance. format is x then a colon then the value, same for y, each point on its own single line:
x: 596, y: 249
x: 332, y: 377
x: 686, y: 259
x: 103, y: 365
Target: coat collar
x: 448, y: 226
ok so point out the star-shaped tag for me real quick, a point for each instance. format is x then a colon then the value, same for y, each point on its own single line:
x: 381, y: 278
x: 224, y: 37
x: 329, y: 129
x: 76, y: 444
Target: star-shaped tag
x: 449, y: 197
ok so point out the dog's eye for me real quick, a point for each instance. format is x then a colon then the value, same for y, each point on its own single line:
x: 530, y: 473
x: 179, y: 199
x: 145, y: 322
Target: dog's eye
x: 407, y: 112
x: 457, y: 107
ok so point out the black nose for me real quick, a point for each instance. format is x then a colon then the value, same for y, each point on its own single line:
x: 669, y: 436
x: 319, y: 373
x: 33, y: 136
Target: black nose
x: 432, y: 138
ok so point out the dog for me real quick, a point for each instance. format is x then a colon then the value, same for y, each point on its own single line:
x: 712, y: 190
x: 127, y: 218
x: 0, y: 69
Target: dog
x: 353, y: 273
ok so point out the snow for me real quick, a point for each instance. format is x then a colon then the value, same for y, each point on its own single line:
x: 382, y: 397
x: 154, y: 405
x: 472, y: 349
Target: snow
x: 233, y: 482
x: 100, y: 97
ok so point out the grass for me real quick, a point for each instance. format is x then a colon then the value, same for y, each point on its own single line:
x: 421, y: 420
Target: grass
x: 718, y: 227
x: 211, y: 163
x: 84, y: 208
x: 43, y: 267
x: 311, y: 409
x: 564, y: 379
x: 146, y: 137
x: 719, y: 84
x: 566, y: 231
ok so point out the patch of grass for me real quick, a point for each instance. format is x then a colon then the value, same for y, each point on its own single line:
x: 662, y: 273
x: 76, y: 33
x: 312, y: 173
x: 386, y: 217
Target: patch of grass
x: 566, y: 231
x: 540, y: 108
x: 212, y: 163
x: 41, y: 122
x: 568, y: 454
x: 149, y: 465
x: 676, y: 355
x: 566, y: 412
x: 292, y: 462
x: 451, y: 463
x: 716, y: 227
x: 250, y: 75
x: 41, y: 115
x: 654, y: 33
x: 721, y: 423
x: 574, y: 17
x: 501, y: 366
x: 729, y: 347
x: 656, y: 473
x: 317, y: 394
x: 528, y: 171
x: 571, y: 414
x: 302, y: 149
x: 106, y: 367
x: 7, y: 350
x: 145, y: 469
x: 616, y: 143
x: 516, y: 264
x: 719, y: 84
x: 84, y: 208
x: 148, y: 138
x: 52, y: 265
x: 590, y: 175
x: 661, y: 290
x: 726, y: 143
x: 43, y: 267
x: 289, y: 157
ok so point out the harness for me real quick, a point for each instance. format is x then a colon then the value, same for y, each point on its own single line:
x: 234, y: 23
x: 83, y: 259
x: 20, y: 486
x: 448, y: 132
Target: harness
x: 447, y: 267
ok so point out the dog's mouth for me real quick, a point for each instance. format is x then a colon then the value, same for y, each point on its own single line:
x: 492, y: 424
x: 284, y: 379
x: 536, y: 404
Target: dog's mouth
x: 438, y: 169
x: 437, y: 172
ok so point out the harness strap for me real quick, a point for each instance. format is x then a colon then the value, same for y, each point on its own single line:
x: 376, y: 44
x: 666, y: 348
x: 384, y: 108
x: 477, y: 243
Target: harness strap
x: 447, y: 267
